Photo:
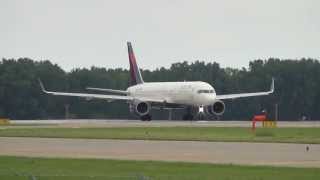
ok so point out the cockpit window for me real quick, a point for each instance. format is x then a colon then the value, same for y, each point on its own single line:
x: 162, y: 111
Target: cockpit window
x: 205, y: 91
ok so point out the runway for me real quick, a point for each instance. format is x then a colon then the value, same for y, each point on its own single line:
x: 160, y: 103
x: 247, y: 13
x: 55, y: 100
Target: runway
x: 276, y: 154
x: 154, y: 123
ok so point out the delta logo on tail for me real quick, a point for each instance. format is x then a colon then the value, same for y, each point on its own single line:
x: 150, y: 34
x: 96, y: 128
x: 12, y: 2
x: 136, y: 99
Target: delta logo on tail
x: 135, y: 75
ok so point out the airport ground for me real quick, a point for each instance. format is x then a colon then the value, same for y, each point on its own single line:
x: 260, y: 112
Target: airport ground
x: 155, y: 123
x: 241, y: 153
x: 289, y: 132
x: 190, y: 143
x: 22, y: 168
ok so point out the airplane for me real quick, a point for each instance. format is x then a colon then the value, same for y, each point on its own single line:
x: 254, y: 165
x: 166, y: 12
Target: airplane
x: 143, y: 96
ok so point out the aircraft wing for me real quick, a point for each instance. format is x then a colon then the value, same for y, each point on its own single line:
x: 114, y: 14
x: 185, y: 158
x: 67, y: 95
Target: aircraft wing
x: 101, y: 96
x: 235, y: 96
x: 108, y: 90
x: 88, y: 96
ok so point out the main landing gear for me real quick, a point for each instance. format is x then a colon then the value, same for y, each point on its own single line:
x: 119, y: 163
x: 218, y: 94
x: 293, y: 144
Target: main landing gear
x: 146, y: 117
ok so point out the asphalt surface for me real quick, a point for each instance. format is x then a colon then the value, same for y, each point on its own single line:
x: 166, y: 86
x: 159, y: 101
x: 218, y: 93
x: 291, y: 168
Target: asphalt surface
x: 275, y: 154
x: 155, y: 123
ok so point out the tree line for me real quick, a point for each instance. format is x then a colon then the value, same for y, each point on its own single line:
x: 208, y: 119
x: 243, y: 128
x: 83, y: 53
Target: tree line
x: 297, y: 88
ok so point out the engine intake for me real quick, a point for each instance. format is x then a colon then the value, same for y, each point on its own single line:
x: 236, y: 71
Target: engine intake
x: 141, y: 108
x: 217, y: 108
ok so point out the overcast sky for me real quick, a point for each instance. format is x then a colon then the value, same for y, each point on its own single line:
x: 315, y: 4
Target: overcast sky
x: 83, y: 33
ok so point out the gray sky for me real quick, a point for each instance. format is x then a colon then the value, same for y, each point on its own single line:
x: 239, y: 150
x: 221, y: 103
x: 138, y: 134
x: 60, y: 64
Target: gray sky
x: 82, y: 33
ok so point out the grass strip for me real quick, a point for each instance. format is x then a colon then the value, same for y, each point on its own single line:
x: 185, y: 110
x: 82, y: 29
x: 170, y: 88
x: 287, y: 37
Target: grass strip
x: 227, y: 134
x: 22, y: 168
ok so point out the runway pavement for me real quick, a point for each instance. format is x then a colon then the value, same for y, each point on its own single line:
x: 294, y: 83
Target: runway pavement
x: 278, y: 154
x: 155, y: 123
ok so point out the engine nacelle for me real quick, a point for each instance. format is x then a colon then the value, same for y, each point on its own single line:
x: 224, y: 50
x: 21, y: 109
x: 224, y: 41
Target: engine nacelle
x: 141, y: 108
x: 217, y: 108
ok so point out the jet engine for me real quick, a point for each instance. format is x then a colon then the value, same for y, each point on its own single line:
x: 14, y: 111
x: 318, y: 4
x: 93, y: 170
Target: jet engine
x: 217, y: 108
x: 141, y: 108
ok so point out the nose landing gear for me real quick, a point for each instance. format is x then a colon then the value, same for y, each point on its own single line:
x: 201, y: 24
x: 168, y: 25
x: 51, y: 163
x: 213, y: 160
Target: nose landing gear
x: 194, y: 113
x: 201, y: 113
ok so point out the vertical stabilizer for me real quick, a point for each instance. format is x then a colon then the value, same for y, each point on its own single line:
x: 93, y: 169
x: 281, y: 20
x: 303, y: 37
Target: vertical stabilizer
x: 135, y: 75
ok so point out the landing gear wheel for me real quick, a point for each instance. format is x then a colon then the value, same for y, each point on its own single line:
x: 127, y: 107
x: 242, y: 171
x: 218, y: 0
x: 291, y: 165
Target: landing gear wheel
x: 147, y: 117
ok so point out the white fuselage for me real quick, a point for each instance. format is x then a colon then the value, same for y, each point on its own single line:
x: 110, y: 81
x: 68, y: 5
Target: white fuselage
x: 195, y: 93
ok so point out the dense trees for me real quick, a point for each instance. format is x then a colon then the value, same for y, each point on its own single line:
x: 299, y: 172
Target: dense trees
x: 297, y: 88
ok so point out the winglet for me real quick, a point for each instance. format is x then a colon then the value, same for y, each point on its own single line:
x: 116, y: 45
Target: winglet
x: 272, y: 86
x: 41, y: 85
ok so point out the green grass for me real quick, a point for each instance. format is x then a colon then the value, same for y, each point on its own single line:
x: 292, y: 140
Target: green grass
x: 235, y: 134
x: 21, y: 168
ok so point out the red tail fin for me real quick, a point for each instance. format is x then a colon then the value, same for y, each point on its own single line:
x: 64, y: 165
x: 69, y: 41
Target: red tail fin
x: 135, y: 75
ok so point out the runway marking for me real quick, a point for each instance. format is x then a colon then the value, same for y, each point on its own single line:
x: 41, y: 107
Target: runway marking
x: 277, y: 154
